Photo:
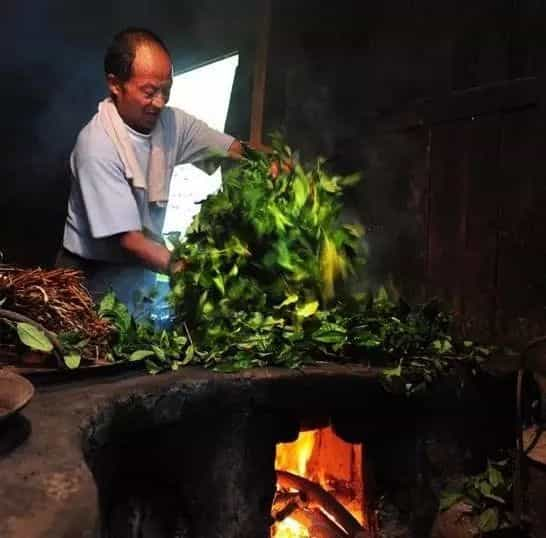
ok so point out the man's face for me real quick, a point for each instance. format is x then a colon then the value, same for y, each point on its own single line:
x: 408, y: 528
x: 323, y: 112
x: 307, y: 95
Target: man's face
x: 140, y: 99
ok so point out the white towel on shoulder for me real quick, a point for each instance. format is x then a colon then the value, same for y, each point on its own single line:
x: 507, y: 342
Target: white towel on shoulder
x: 154, y: 180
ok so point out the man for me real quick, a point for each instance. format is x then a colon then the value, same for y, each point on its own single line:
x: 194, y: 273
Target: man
x: 121, y: 169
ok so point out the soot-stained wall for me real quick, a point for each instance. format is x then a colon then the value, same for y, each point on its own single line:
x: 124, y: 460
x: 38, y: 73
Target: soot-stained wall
x: 52, y: 75
x: 440, y: 105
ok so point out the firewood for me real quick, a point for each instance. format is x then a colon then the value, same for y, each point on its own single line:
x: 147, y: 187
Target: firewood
x: 317, y: 497
x: 58, y: 301
x: 285, y: 503
x: 318, y: 525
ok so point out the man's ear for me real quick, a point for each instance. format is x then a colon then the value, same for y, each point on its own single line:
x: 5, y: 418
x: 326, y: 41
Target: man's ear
x: 114, y: 85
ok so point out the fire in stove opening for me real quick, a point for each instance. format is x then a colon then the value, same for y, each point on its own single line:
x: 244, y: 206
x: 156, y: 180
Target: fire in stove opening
x: 320, y: 488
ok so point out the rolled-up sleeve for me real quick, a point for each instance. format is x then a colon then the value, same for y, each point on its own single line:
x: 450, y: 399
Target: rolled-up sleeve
x: 197, y: 141
x: 107, y: 196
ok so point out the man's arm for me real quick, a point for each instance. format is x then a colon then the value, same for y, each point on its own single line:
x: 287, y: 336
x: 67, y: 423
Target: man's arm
x: 149, y: 253
x: 236, y: 149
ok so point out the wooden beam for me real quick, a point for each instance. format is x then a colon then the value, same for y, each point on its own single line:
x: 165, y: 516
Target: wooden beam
x: 260, y: 74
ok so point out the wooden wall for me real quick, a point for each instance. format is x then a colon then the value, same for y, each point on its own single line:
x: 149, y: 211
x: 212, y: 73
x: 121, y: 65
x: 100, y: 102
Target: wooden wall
x: 442, y: 108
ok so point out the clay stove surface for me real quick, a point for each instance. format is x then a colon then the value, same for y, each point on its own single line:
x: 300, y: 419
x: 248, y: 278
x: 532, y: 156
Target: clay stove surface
x: 46, y: 487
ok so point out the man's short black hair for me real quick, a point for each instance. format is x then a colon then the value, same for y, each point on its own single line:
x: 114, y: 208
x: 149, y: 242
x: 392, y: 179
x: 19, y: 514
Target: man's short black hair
x: 121, y: 53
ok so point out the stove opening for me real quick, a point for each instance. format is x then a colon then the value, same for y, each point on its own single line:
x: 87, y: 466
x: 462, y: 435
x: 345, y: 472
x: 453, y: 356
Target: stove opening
x: 321, y: 489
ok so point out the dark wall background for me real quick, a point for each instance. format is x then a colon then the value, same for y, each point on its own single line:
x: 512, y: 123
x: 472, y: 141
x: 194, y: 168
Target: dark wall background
x: 441, y: 106
x: 51, y: 70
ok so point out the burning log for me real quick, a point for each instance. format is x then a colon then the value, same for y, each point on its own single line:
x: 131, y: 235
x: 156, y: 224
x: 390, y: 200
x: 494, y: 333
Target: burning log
x: 285, y: 503
x: 318, y: 525
x: 314, y: 497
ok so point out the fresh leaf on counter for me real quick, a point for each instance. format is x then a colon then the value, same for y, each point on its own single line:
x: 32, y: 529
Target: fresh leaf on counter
x: 72, y: 361
x: 33, y: 337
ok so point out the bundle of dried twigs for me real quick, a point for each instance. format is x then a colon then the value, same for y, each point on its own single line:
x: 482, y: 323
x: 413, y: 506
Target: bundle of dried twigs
x: 56, y: 299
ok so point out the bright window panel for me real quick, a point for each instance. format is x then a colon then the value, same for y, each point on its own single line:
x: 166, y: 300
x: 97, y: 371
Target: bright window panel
x: 205, y: 93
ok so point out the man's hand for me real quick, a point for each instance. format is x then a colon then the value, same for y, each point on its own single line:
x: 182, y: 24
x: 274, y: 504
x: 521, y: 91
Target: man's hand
x: 177, y: 266
x: 278, y: 166
x: 151, y: 254
x: 236, y: 151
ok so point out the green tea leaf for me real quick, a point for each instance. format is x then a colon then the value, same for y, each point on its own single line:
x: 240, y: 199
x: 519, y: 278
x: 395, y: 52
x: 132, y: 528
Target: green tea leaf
x: 485, y: 488
x: 72, y: 361
x: 356, y: 230
x: 219, y: 282
x: 495, y: 498
x: 291, y: 299
x: 152, y: 367
x: 329, y: 184
x: 495, y: 476
x: 442, y: 346
x: 393, y: 372
x: 489, y: 520
x: 330, y: 333
x: 33, y: 338
x: 329, y: 337
x: 190, y: 351
x: 159, y: 353
x: 382, y: 296
x: 141, y: 354
x: 107, y: 302
x: 308, y: 309
x: 300, y: 192
x: 449, y: 499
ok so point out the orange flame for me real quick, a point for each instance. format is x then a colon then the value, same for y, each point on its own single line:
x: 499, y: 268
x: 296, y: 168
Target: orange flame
x: 294, y: 457
x: 327, y: 460
x: 289, y: 528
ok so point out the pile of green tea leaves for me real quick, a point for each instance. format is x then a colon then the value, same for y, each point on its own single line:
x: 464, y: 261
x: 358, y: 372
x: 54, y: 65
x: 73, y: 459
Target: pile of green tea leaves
x: 139, y: 340
x: 275, y: 278
x: 271, y: 266
x: 487, y: 495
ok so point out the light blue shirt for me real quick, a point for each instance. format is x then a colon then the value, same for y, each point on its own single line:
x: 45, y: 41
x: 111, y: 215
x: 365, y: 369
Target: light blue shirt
x: 102, y: 201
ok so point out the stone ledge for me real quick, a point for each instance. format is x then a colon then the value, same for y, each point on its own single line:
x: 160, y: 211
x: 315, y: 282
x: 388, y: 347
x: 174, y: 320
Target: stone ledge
x: 48, y: 491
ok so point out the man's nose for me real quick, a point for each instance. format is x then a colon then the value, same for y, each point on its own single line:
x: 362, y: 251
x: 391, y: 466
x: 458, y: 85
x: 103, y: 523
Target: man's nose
x: 159, y: 100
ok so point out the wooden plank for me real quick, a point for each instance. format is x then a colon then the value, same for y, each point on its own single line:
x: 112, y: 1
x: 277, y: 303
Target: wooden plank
x: 480, y: 239
x: 480, y: 32
x: 449, y: 181
x: 503, y: 96
x: 260, y: 76
x: 410, y: 232
x: 521, y: 278
x: 485, y: 99
x: 525, y: 51
x: 462, y: 233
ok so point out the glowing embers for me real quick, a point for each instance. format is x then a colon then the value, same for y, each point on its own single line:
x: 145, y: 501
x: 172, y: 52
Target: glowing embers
x: 320, y: 488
